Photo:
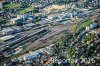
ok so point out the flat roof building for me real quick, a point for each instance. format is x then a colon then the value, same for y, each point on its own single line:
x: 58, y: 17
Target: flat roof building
x: 7, y: 31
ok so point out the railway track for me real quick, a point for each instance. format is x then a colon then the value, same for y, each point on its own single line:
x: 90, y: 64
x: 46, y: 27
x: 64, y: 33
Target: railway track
x: 24, y: 40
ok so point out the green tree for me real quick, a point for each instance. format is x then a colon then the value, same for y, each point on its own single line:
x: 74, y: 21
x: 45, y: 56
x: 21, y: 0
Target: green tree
x: 2, y: 22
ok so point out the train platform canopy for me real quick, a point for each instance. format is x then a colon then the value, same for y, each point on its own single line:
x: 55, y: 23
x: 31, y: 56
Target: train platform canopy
x: 8, y: 37
x: 30, y: 25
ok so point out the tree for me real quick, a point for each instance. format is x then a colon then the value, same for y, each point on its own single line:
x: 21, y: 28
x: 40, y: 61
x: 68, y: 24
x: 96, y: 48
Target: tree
x: 56, y: 64
x: 19, y: 23
x: 2, y: 22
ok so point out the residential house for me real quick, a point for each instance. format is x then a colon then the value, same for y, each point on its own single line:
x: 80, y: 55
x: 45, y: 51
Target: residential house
x: 92, y: 26
x: 97, y: 31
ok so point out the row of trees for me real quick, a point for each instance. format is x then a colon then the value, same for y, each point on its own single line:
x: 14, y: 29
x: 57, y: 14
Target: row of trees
x: 89, y: 37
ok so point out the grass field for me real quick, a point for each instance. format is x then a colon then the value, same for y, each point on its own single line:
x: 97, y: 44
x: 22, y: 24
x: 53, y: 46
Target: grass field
x: 13, y: 6
x: 86, y: 23
x: 26, y: 10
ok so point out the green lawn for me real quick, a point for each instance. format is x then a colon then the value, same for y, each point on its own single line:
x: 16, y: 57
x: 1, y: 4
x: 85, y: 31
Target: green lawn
x: 26, y: 10
x: 86, y: 23
x: 13, y: 6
